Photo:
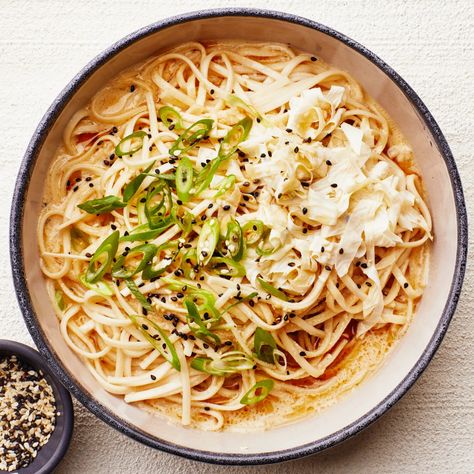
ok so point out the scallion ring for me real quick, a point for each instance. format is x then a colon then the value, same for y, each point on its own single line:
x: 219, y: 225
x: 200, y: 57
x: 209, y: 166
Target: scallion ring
x: 258, y: 392
x: 157, y: 338
x: 252, y: 231
x: 272, y: 290
x: 148, y: 251
x: 208, y: 238
x: 184, y: 179
x: 102, y: 259
x: 264, y: 345
x: 170, y: 117
x: 191, y: 136
x: 135, y: 135
x: 226, y: 267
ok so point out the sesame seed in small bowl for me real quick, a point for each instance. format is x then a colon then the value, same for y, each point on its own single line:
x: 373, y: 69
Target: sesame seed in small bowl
x: 37, y: 415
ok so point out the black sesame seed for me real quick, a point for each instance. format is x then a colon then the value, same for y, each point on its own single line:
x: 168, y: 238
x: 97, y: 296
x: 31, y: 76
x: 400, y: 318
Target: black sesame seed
x: 305, y: 210
x: 328, y: 162
x: 334, y: 185
x: 405, y: 285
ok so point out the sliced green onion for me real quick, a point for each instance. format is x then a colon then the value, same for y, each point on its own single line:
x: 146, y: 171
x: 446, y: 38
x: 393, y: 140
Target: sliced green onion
x: 258, y: 392
x: 226, y: 267
x: 265, y: 249
x: 272, y: 290
x: 139, y: 135
x: 147, y: 250
x: 170, y: 116
x: 191, y: 136
x: 204, y: 299
x: 100, y: 287
x: 132, y: 187
x: 236, y: 135
x: 103, y: 205
x: 253, y: 231
x: 189, y: 263
x: 184, y: 178
x: 158, y: 204
x: 229, y: 363
x: 59, y: 298
x: 225, y: 185
x: 207, y: 242
x: 79, y: 240
x: 235, y: 101
x: 150, y: 271
x: 201, y: 331
x: 234, y: 240
x: 184, y: 222
x: 157, y: 338
x: 103, y: 256
x: 241, y: 300
x: 138, y: 294
x: 264, y: 345
x: 228, y: 147
x: 144, y: 233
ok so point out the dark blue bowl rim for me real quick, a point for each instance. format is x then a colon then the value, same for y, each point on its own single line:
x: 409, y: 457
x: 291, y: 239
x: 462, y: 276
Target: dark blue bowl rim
x: 55, y: 450
x: 24, y: 300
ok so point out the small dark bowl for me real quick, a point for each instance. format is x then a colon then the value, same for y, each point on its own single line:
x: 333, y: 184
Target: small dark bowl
x: 54, y: 450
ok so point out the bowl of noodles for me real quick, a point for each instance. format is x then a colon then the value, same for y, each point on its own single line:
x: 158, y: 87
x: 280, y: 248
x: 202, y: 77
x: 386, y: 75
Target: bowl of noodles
x: 226, y: 237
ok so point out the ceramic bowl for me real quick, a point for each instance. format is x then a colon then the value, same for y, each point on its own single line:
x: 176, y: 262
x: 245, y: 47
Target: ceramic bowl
x: 404, y: 364
x: 50, y: 455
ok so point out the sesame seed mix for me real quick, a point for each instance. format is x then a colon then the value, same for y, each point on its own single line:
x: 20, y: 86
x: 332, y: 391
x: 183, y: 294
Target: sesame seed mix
x: 28, y: 413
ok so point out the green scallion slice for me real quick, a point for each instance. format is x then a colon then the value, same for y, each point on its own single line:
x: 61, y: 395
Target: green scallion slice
x: 225, y: 185
x: 191, y: 136
x: 272, y: 290
x: 253, y: 231
x: 148, y: 251
x: 208, y: 238
x: 264, y: 345
x: 184, y: 179
x: 138, y: 294
x: 100, y: 287
x: 59, y: 298
x: 153, y: 271
x: 171, y: 117
x: 138, y: 136
x: 102, y: 206
x: 197, y: 326
x: 132, y: 187
x: 258, y: 392
x: 157, y: 338
x: 226, y: 267
x: 102, y: 259
x: 228, y: 363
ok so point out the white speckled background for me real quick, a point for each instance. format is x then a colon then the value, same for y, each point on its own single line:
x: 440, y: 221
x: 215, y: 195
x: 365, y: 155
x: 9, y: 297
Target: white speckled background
x: 430, y: 43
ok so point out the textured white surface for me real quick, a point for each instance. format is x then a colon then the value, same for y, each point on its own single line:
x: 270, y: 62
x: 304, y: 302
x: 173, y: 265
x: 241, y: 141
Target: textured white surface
x: 430, y: 43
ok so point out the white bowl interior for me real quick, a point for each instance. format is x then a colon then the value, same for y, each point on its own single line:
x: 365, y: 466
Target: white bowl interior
x: 441, y: 200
